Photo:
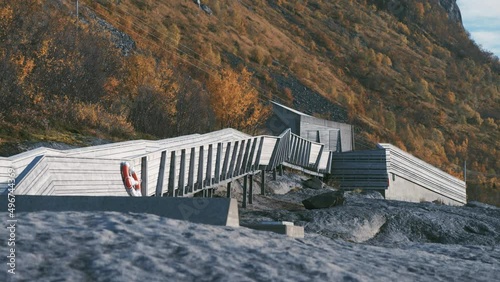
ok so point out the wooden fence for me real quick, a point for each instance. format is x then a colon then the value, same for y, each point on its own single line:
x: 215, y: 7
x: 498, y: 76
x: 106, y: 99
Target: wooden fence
x: 187, y: 165
x: 180, y: 166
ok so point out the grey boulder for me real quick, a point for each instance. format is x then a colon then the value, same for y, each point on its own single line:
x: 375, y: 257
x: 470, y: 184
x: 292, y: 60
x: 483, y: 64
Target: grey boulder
x: 313, y: 183
x: 325, y: 200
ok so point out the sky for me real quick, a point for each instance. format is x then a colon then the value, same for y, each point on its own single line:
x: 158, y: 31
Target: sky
x: 482, y: 19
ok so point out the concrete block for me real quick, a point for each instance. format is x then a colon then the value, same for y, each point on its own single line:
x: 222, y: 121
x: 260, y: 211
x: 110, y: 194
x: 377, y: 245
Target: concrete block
x: 213, y: 211
x: 286, y: 228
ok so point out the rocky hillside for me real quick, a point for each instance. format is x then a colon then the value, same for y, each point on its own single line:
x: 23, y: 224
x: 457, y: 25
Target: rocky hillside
x: 404, y: 72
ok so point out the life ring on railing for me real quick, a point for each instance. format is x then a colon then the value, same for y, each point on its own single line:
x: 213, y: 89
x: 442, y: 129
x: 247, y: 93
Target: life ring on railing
x: 130, y: 180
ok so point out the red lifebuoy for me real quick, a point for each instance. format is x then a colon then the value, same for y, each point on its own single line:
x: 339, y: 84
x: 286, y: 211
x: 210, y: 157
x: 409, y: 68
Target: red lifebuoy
x: 130, y: 180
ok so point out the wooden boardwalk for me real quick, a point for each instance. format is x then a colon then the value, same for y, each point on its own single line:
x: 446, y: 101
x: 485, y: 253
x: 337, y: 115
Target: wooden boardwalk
x: 196, y: 164
x: 180, y: 166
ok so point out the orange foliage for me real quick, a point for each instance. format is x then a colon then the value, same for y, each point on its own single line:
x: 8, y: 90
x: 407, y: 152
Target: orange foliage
x: 235, y: 101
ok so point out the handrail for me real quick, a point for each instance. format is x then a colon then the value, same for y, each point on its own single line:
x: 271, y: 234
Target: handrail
x: 179, y: 169
x: 186, y: 171
x: 184, y: 166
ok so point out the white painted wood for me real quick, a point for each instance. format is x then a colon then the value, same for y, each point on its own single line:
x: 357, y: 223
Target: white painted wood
x: 417, y: 171
x: 323, y: 162
x: 267, y: 149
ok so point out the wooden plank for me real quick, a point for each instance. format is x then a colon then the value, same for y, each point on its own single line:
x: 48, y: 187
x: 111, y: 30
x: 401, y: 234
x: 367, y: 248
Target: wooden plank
x: 246, y: 156
x: 272, y: 160
x: 236, y: 170
x: 262, y: 182
x: 250, y: 165
x: 171, y: 175
x: 244, y: 201
x: 226, y: 162
x: 190, y: 183
x: 200, y: 182
x: 320, y: 153
x: 182, y: 172
x: 315, y: 152
x: 233, y: 161
x: 308, y: 154
x: 295, y: 145
x: 208, y: 173
x: 330, y: 162
x: 303, y: 153
x: 228, y: 191
x: 161, y: 175
x: 218, y: 159
x: 250, y: 190
x: 259, y: 153
x: 144, y: 176
x: 296, y: 151
x: 267, y: 150
x: 36, y: 181
x: 291, y: 149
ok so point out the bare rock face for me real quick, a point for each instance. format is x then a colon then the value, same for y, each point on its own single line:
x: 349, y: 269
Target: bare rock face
x: 399, y: 8
x: 325, y: 200
x: 452, y: 9
x: 121, y: 40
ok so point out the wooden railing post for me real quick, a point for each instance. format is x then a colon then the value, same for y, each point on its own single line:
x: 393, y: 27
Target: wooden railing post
x: 208, y: 174
x: 233, y: 160
x: 272, y: 160
x: 224, y: 172
x: 200, y: 184
x: 250, y: 166
x: 250, y: 190
x: 244, y: 164
x: 144, y: 176
x: 218, y: 159
x: 262, y: 182
x: 161, y: 175
x: 190, y: 183
x: 182, y: 172
x: 244, y: 202
x: 259, y: 153
x: 228, y: 191
x: 236, y: 171
x: 171, y: 175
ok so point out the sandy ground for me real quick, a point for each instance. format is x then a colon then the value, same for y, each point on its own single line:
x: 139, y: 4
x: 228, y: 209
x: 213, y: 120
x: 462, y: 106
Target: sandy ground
x: 366, y: 239
x: 109, y: 246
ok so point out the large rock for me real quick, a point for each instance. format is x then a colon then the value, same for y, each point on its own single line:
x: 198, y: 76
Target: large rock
x: 367, y: 194
x: 313, y: 183
x: 325, y: 200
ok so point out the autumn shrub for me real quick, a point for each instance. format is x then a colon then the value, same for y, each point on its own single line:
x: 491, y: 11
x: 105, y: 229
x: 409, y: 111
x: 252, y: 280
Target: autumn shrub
x: 258, y: 55
x: 235, y: 101
x: 151, y: 112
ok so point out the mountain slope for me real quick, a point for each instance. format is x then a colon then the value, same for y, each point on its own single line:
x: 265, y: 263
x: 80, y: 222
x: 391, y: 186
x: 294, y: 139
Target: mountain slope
x: 403, y: 72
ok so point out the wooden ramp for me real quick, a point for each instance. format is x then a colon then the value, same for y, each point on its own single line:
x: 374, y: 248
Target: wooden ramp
x: 181, y: 166
x: 196, y: 164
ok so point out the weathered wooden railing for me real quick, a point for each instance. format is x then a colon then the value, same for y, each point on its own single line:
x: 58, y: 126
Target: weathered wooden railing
x: 187, y: 171
x: 188, y: 165
x: 305, y: 153
x: 180, y: 166
x: 89, y: 170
